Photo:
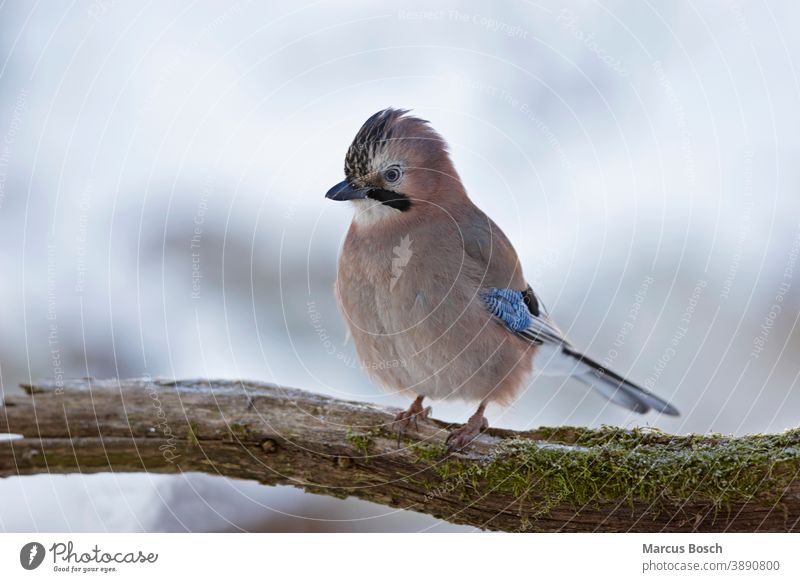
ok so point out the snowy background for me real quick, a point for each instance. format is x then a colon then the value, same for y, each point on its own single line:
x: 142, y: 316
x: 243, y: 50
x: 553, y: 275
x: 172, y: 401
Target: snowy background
x: 642, y: 157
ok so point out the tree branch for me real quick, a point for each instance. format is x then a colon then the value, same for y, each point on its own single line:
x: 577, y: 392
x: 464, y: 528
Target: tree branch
x: 549, y: 479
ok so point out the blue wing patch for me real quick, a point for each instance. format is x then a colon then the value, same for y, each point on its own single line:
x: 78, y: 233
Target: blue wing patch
x: 508, y: 305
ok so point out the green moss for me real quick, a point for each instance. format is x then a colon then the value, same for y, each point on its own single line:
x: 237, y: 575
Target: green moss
x: 361, y: 441
x: 584, y: 466
x: 427, y: 452
x: 191, y: 434
x: 240, y: 431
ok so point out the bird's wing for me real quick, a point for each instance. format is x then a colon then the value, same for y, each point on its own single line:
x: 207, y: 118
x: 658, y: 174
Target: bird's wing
x: 523, y: 313
x: 491, y: 256
x: 541, y: 329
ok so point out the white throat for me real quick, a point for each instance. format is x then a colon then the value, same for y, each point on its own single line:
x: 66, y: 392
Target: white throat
x: 369, y: 212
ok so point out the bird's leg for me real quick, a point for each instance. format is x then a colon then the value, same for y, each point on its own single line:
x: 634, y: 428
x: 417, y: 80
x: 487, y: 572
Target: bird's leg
x: 461, y: 437
x: 403, y: 419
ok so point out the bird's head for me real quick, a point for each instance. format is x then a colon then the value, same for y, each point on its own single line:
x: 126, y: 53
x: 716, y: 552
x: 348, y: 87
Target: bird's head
x: 396, y: 164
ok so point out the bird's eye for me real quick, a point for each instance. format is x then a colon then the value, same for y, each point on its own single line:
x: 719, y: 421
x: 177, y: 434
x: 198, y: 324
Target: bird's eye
x: 392, y: 174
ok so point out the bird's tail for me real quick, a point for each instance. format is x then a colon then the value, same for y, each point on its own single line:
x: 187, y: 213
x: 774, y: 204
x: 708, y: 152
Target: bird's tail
x: 613, y: 386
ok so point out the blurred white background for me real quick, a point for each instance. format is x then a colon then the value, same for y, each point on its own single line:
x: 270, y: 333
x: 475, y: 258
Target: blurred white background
x: 642, y: 157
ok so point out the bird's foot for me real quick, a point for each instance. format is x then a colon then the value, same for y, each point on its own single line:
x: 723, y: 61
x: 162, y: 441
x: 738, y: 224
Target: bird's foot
x: 415, y: 412
x: 463, y: 436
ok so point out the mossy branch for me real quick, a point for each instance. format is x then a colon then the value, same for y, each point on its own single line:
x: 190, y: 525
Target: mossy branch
x: 549, y: 479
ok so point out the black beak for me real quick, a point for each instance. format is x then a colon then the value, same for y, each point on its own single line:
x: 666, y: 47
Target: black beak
x: 345, y: 191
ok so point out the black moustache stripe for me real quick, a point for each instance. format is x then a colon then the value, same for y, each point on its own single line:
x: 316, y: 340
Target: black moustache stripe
x: 394, y: 200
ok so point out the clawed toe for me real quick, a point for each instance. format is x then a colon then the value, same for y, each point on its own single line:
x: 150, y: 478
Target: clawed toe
x: 461, y: 437
x: 400, y: 424
x: 405, y: 418
x: 423, y: 414
x: 457, y: 440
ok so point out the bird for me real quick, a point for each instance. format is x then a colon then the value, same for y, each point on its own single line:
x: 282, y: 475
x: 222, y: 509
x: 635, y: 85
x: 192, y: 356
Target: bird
x: 432, y: 291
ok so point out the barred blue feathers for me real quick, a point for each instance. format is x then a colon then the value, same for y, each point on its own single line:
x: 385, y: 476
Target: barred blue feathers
x: 508, y: 306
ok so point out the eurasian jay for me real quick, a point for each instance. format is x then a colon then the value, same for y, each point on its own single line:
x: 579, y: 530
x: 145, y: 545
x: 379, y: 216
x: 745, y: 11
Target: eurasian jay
x: 432, y: 290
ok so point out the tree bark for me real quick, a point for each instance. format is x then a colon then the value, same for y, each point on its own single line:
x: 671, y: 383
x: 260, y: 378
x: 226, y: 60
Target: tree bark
x: 549, y: 479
